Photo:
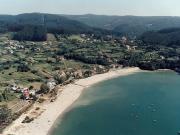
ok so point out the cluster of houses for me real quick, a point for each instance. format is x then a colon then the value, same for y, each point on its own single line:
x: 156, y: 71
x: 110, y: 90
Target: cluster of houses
x: 28, y: 93
x: 11, y: 46
x: 51, y: 83
x: 107, y: 38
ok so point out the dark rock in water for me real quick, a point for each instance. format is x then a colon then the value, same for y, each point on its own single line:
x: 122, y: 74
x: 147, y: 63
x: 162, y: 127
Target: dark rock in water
x: 154, y: 121
x: 177, y: 70
x: 154, y: 110
x: 178, y: 132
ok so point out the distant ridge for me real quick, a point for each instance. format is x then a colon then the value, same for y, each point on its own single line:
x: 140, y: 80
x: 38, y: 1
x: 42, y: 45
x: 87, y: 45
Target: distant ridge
x: 54, y: 23
x: 131, y: 26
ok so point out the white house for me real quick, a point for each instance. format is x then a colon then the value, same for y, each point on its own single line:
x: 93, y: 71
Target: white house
x: 51, y: 84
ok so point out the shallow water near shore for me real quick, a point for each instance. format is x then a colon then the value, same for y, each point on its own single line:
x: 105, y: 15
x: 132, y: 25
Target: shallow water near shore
x: 146, y: 103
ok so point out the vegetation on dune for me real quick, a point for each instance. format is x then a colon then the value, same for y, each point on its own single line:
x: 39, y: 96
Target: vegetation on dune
x: 5, y: 117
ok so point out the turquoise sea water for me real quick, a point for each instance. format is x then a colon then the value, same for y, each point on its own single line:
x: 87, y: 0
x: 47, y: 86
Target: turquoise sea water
x: 146, y: 103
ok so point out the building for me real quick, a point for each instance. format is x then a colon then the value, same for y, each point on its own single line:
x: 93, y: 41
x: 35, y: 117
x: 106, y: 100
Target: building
x: 51, y: 84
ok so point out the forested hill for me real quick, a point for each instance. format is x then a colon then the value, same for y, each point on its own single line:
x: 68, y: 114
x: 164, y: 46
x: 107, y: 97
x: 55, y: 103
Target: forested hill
x: 131, y: 26
x: 35, y: 26
x: 53, y: 23
x: 165, y: 37
x: 128, y: 25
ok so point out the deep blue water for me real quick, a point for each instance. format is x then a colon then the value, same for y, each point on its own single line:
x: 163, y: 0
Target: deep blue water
x: 146, y: 103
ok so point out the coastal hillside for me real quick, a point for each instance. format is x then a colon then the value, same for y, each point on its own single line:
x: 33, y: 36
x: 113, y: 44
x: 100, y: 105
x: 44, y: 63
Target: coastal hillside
x: 166, y: 37
x: 51, y: 51
x: 39, y: 53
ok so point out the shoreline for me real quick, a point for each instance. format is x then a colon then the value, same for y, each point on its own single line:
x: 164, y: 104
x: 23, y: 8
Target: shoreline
x: 50, y: 112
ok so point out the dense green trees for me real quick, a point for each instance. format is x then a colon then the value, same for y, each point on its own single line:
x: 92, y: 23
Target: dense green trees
x: 23, y: 68
x: 4, y: 113
x: 5, y: 94
x: 5, y: 116
x: 165, y: 37
x: 60, y: 77
x: 33, y: 27
x: 1, y: 97
x: 44, y: 88
x: 31, y: 33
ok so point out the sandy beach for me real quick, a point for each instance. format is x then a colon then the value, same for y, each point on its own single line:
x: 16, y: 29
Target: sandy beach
x: 49, y: 112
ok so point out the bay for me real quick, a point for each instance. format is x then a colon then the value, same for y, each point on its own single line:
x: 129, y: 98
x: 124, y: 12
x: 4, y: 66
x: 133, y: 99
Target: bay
x: 146, y: 103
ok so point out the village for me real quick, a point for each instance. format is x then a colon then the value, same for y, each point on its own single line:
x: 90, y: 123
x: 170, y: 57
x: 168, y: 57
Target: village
x: 34, y: 72
x: 40, y: 60
x: 25, y: 65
